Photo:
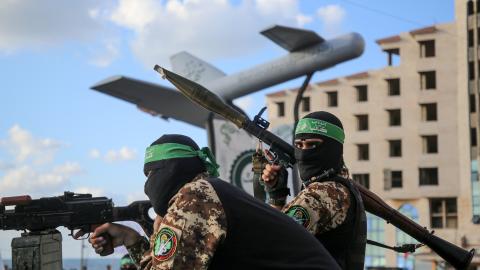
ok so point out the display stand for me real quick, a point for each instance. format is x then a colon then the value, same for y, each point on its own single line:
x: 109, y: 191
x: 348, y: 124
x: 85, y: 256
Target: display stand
x: 37, y: 251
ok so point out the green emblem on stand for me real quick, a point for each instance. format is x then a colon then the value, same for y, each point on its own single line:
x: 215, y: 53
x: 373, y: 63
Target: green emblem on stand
x: 241, y: 174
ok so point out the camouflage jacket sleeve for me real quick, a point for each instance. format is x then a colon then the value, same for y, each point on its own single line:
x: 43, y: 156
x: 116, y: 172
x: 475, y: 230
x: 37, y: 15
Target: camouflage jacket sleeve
x: 320, y: 207
x: 192, y: 229
x: 140, y: 252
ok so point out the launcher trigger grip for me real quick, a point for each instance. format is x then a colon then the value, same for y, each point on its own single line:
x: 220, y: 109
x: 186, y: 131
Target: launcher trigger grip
x: 271, y: 156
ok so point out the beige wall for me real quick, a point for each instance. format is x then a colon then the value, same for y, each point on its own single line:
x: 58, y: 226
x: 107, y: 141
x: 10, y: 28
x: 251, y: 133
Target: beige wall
x: 465, y: 54
x: 411, y: 129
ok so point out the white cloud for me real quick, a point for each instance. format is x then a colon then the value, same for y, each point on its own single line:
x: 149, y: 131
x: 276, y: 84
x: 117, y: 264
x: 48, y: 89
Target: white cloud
x: 331, y: 14
x: 281, y: 8
x: 5, y: 165
x: 104, y: 57
x: 122, y: 154
x: 245, y: 103
x: 28, y: 179
x: 34, y: 24
x: 94, y: 153
x: 94, y: 13
x: 60, y: 174
x: 128, y: 11
x: 37, y: 25
x: 136, y: 196
x: 210, y: 29
x: 30, y: 168
x: 96, y: 192
x: 332, y: 17
x: 24, y: 147
x: 303, y: 20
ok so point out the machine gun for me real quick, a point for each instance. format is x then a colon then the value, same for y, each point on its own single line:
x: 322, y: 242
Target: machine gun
x: 74, y: 211
x: 284, y: 155
x: 40, y: 247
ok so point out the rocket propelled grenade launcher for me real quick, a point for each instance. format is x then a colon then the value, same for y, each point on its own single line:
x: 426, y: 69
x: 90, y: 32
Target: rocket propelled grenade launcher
x: 258, y: 127
x: 284, y: 154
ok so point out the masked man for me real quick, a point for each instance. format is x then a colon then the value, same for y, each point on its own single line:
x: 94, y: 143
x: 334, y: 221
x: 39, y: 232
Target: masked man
x: 206, y: 223
x: 329, y: 206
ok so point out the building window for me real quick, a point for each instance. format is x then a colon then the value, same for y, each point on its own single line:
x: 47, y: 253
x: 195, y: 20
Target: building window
x: 443, y: 213
x: 362, y: 93
x: 396, y: 177
x: 475, y: 192
x: 428, y: 176
x: 363, y: 152
x: 473, y: 106
x: 374, y: 255
x: 394, y: 117
x: 470, y: 7
x: 470, y: 38
x: 332, y: 99
x: 406, y: 262
x: 429, y: 111
x: 392, y: 179
x: 280, y: 109
x: 471, y: 70
x: 428, y: 80
x: 362, y: 121
x: 395, y: 147
x: 427, y: 48
x: 362, y: 178
x: 393, y: 56
x: 305, y: 104
x: 478, y: 34
x: 393, y: 87
x: 473, y: 136
x: 430, y: 144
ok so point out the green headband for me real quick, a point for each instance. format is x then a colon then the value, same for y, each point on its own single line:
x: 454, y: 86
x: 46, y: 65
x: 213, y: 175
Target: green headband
x: 316, y: 126
x: 125, y: 261
x: 175, y: 150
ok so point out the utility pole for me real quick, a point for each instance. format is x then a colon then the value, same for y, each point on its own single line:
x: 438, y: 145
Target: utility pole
x: 82, y: 262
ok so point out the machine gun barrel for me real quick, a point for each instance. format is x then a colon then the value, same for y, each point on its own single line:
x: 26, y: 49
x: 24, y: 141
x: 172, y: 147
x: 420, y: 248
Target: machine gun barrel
x: 451, y: 253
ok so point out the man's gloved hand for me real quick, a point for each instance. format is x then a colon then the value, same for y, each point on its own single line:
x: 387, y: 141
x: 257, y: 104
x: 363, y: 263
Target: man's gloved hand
x: 107, y: 236
x: 275, y: 178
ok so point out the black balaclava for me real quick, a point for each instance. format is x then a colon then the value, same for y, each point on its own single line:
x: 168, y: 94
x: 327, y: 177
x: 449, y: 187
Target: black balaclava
x: 170, y: 175
x: 329, y: 155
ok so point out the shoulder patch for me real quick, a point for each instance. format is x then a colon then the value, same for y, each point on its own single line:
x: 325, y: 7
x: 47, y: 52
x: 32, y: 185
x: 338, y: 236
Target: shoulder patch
x: 165, y: 244
x: 299, y: 214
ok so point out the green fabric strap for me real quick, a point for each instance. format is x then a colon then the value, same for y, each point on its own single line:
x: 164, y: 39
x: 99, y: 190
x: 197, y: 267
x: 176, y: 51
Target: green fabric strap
x: 175, y: 150
x: 126, y: 261
x: 316, y: 126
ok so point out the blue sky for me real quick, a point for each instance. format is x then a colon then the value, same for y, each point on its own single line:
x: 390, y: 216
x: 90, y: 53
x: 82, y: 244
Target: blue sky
x: 56, y: 134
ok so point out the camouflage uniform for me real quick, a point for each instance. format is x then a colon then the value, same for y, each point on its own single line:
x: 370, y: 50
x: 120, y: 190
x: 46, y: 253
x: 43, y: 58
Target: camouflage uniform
x: 320, y: 207
x: 190, y: 232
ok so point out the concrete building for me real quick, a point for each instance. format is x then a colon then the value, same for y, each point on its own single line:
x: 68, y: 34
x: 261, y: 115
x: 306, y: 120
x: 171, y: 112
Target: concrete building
x: 411, y: 133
